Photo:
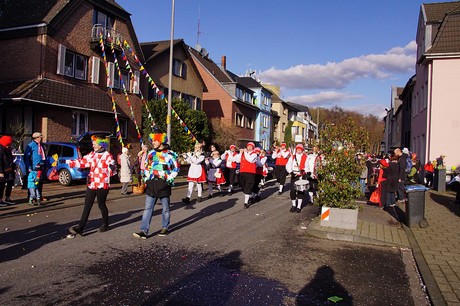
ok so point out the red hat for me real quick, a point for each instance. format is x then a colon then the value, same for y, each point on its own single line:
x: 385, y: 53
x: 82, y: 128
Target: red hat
x: 283, y: 144
x: 257, y: 150
x: 383, y: 162
x: 299, y: 146
x: 232, y: 147
x: 251, y: 144
x: 6, y: 141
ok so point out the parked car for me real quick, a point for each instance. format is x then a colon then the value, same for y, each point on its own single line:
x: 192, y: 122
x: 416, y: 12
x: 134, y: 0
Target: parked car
x: 65, y: 151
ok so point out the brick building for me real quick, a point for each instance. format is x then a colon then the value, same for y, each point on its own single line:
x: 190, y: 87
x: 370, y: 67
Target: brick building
x: 54, y: 77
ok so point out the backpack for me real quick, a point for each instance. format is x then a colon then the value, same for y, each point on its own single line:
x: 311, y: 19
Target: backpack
x: 408, y: 164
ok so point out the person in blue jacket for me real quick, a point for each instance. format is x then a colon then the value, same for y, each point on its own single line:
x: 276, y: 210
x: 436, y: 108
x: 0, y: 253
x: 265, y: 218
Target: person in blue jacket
x: 34, y: 159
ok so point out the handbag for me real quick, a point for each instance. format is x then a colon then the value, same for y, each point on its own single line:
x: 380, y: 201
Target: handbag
x: 375, y: 196
x: 139, y: 188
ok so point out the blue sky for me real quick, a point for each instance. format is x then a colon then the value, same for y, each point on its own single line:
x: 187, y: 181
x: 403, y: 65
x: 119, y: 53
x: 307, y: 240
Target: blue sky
x: 320, y: 52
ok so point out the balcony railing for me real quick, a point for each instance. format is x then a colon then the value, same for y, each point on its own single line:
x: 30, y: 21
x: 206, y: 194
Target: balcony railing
x: 108, y: 34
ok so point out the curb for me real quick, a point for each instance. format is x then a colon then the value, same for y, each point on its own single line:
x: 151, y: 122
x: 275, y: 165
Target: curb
x: 432, y: 288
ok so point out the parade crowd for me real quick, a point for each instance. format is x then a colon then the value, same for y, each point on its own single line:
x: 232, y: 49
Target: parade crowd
x: 383, y: 178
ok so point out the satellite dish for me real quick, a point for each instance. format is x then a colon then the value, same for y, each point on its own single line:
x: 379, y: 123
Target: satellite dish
x: 204, y: 52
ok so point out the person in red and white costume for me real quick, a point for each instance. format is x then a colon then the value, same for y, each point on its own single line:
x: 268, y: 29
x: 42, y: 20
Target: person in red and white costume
x: 281, y: 154
x: 232, y: 158
x: 215, y: 175
x: 260, y: 163
x: 248, y: 171
x: 196, y: 173
x: 263, y: 154
x: 101, y: 166
x: 313, y: 164
x: 296, y: 167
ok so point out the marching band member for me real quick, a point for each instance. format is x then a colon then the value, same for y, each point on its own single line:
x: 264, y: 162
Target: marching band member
x: 232, y: 158
x: 281, y: 154
x: 196, y: 173
x: 313, y: 164
x: 215, y: 175
x: 296, y: 167
x: 260, y: 163
x: 247, y: 171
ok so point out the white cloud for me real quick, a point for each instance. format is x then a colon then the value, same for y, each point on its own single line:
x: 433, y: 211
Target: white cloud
x: 324, y: 98
x: 339, y: 75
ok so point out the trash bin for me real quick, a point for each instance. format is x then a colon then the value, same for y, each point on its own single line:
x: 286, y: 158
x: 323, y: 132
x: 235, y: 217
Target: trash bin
x: 415, y: 206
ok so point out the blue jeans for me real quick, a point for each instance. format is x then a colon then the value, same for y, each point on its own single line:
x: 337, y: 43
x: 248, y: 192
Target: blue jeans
x: 362, y: 182
x: 148, y: 213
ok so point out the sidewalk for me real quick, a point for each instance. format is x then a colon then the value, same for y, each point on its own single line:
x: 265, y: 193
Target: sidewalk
x: 436, y: 248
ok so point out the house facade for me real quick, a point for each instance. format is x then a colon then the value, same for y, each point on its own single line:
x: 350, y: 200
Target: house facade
x: 57, y: 81
x: 436, y: 96
x: 187, y: 83
x: 262, y: 98
x: 226, y: 98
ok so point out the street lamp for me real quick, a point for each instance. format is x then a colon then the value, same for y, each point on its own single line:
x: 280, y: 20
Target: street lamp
x: 168, y: 117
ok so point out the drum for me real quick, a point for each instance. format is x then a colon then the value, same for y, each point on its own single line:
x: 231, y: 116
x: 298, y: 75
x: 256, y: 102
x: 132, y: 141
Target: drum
x: 301, y: 185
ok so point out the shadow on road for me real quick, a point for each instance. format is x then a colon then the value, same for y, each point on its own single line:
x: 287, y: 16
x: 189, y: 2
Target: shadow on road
x: 323, y: 288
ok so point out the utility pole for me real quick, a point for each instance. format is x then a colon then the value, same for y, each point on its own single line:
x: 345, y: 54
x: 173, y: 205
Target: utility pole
x: 168, y: 117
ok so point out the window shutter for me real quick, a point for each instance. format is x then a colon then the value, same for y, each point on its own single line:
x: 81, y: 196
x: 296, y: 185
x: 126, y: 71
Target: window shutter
x: 61, y: 60
x: 95, y: 67
x: 111, y: 74
x: 136, y: 82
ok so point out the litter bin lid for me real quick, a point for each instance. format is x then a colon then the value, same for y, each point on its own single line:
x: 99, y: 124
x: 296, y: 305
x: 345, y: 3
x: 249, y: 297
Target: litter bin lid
x: 416, y: 187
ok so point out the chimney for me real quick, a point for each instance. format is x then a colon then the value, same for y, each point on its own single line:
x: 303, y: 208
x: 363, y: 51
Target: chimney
x: 223, y: 62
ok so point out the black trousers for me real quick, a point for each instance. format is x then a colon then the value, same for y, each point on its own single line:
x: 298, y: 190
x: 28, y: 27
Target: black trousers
x: 280, y: 174
x: 5, y: 188
x: 294, y: 193
x: 231, y: 175
x: 91, y: 194
x: 257, y: 180
x: 247, y: 182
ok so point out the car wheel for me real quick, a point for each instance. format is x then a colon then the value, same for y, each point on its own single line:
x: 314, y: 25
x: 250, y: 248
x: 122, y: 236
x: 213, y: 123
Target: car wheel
x: 64, y: 177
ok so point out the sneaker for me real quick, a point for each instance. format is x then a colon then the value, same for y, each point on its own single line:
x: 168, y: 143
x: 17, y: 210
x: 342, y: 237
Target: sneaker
x: 246, y: 205
x: 32, y: 203
x: 297, y: 210
x: 186, y: 200
x: 141, y: 235
x: 75, y: 230
x: 103, y: 229
x: 280, y: 192
x: 163, y: 232
x: 292, y: 209
x: 43, y: 199
x: 9, y: 202
x: 3, y: 204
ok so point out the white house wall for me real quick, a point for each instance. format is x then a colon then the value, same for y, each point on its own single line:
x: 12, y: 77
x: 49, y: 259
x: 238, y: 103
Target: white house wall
x: 444, y: 127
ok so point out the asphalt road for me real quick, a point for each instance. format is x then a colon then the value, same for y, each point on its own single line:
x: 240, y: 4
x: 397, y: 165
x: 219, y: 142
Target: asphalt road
x: 217, y: 253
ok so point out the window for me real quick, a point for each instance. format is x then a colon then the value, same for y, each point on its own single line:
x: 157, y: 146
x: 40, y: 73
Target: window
x: 198, y: 104
x: 265, y: 121
x: 239, y: 93
x: 71, y: 64
x: 79, y: 123
x: 239, y: 120
x: 250, y: 123
x: 179, y: 69
x: 247, y: 97
x: 125, y: 78
x: 102, y: 19
x: 67, y: 152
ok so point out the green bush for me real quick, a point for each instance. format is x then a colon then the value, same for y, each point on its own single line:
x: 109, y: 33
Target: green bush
x: 339, y: 174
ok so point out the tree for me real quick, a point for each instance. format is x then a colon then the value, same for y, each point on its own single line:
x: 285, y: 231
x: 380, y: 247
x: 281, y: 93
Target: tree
x: 194, y: 121
x: 288, y: 133
x: 339, y: 174
x: 223, y: 134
